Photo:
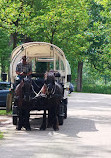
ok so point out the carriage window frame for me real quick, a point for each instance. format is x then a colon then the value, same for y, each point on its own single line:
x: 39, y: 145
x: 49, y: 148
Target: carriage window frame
x: 62, y: 66
x: 57, y: 62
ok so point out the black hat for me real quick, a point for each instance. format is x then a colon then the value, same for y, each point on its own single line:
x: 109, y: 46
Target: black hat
x: 24, y: 57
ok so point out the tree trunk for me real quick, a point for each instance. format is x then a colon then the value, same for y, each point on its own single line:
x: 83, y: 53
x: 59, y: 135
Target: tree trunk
x: 52, y: 37
x: 14, y: 35
x: 3, y: 68
x: 2, y: 65
x: 14, y: 40
x: 105, y: 79
x: 79, y: 77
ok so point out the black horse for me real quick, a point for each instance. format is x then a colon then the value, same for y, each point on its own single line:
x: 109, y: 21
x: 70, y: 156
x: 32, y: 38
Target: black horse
x: 30, y: 96
x: 26, y: 101
x: 54, y: 93
x: 22, y: 100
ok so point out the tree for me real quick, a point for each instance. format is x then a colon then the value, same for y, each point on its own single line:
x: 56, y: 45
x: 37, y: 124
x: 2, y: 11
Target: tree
x: 99, y: 51
x: 5, y: 49
x: 15, y: 17
x: 64, y: 24
x: 80, y: 28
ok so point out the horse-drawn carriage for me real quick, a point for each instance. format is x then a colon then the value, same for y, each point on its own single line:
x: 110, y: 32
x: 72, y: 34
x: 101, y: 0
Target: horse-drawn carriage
x: 44, y: 57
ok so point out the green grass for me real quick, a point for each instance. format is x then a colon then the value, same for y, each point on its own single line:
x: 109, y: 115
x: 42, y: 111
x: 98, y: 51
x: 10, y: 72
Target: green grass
x: 3, y: 112
x: 102, y: 89
x: 1, y: 135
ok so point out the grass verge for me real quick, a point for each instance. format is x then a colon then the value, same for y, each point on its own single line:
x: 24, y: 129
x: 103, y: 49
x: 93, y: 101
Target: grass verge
x: 1, y: 135
x: 3, y: 112
x: 102, y: 89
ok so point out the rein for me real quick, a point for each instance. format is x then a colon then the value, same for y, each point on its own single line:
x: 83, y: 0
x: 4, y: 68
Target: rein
x: 36, y: 94
x: 35, y: 84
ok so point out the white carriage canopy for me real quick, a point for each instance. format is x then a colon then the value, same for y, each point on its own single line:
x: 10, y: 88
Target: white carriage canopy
x: 39, y: 52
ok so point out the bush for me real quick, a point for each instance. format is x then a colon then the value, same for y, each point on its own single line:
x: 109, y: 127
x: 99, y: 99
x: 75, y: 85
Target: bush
x: 103, y: 89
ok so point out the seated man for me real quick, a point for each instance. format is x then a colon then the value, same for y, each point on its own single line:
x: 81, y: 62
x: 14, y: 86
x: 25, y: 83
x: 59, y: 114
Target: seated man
x: 23, y: 68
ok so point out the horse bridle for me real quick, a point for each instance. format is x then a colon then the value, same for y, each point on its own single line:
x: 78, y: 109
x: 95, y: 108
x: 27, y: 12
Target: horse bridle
x: 52, y: 92
x: 26, y: 93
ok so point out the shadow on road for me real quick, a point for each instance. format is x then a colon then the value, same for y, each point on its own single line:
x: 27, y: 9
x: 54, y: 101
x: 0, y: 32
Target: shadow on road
x: 71, y: 127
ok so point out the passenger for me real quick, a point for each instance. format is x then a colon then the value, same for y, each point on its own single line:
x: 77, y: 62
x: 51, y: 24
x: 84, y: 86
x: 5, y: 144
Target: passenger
x: 23, y: 68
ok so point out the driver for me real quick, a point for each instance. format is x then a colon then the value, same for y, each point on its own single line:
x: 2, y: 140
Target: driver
x: 23, y: 68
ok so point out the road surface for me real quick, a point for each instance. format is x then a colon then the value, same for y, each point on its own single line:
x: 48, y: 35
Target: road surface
x: 86, y: 133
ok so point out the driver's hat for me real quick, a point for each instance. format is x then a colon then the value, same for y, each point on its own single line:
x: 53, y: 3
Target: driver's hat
x: 24, y: 57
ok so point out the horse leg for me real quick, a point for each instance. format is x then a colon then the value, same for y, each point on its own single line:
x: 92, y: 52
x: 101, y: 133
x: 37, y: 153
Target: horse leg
x: 20, y: 119
x: 55, y: 119
x: 50, y: 121
x: 26, y: 120
x: 43, y: 126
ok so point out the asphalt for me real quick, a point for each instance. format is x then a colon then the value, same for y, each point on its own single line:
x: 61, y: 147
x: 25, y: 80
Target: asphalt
x: 86, y: 133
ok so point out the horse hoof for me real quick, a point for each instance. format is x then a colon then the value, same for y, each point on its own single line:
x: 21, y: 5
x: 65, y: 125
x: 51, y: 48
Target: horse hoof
x: 42, y: 128
x: 28, y: 129
x: 18, y: 128
x: 56, y: 128
x: 49, y: 126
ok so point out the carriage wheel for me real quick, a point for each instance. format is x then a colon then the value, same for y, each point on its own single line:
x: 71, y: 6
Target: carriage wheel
x: 65, y: 101
x: 14, y: 118
x: 61, y: 120
x: 9, y: 102
x: 14, y: 114
x: 65, y: 111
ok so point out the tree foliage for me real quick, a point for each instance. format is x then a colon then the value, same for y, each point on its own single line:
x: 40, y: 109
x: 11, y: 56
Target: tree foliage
x: 82, y: 29
x: 4, y: 50
x: 99, y: 51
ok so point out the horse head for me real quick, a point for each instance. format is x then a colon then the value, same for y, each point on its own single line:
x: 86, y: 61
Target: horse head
x: 50, y: 83
x: 27, y: 89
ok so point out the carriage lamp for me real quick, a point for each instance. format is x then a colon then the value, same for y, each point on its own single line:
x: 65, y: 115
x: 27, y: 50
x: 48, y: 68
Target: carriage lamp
x: 22, y: 48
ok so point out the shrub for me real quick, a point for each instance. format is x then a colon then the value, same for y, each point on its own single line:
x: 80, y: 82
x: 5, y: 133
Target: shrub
x: 103, y: 89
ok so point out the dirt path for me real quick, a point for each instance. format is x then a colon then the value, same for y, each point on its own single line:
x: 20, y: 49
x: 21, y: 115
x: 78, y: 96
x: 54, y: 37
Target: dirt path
x: 86, y: 133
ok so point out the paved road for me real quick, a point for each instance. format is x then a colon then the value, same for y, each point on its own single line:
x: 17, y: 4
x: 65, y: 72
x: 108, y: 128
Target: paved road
x: 86, y: 132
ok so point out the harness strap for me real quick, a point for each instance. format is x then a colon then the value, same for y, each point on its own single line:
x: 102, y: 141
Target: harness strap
x: 37, y: 94
x: 35, y: 84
